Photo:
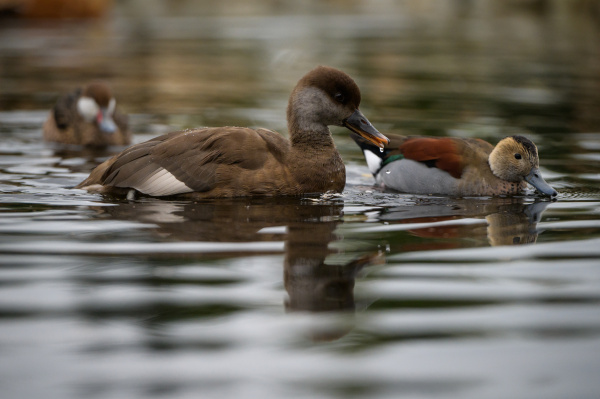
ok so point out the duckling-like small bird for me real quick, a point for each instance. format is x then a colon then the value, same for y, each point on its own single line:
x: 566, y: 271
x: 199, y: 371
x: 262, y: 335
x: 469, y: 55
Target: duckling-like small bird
x: 236, y: 162
x: 455, y: 166
x: 87, y: 117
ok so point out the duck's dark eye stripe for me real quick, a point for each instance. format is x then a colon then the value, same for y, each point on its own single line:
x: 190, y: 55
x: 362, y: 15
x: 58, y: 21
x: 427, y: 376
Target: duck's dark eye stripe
x: 517, y: 156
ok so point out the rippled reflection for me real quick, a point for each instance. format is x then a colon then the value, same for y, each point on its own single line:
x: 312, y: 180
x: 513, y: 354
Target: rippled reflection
x: 457, y: 223
x: 306, y: 227
x: 319, y: 268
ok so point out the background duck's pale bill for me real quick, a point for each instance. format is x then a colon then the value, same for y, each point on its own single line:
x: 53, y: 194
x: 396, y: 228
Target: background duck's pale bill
x: 106, y: 122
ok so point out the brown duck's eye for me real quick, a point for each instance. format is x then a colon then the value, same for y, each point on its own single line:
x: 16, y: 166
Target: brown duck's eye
x: 517, y: 156
x: 339, y: 97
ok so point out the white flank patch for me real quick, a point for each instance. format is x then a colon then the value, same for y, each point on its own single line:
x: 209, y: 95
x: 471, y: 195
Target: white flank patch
x: 162, y: 182
x: 373, y: 161
x: 88, y: 108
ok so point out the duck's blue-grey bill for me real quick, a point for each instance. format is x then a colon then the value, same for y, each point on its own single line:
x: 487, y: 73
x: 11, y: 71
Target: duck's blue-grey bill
x: 106, y: 122
x: 536, y: 180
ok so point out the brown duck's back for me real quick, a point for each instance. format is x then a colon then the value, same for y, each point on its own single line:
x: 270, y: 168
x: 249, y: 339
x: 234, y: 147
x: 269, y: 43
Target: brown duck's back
x: 218, y: 162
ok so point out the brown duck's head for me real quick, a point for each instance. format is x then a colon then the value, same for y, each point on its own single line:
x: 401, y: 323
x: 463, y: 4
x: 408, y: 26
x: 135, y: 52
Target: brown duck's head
x: 97, y: 105
x: 516, y: 159
x: 327, y: 96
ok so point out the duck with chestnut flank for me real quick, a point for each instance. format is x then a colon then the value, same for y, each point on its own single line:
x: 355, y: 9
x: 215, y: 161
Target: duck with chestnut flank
x: 455, y: 166
x: 235, y: 161
x: 87, y: 117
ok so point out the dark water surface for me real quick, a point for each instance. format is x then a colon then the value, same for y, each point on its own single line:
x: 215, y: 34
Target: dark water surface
x: 366, y: 294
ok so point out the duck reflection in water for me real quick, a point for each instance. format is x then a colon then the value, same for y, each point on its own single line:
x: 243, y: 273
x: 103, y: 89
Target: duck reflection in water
x: 314, y: 278
x: 515, y: 224
x: 504, y: 221
x: 316, y: 284
x: 308, y: 228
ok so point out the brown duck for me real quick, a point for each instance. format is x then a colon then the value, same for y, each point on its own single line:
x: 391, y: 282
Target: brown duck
x: 87, y: 117
x: 235, y: 161
x: 455, y: 166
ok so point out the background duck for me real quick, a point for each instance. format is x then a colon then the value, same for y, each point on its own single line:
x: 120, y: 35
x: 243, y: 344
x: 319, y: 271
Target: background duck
x: 455, y: 166
x: 88, y: 117
x: 236, y: 161
x: 45, y: 9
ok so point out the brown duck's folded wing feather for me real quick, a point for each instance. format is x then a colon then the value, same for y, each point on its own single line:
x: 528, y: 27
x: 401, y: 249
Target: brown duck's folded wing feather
x: 191, y: 161
x: 441, y: 153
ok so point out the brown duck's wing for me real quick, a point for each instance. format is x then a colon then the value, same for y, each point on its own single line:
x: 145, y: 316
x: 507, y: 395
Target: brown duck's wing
x: 65, y: 109
x: 191, y: 161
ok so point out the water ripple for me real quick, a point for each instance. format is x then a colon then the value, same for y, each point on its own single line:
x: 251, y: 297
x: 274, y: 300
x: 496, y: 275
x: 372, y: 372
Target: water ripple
x: 572, y: 249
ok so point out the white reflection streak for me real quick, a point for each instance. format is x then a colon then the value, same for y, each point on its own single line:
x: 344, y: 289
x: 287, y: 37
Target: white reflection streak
x: 413, y: 226
x: 133, y: 248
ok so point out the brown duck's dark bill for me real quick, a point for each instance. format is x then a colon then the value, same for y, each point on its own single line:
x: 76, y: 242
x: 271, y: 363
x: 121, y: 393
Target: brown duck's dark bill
x: 359, y: 124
